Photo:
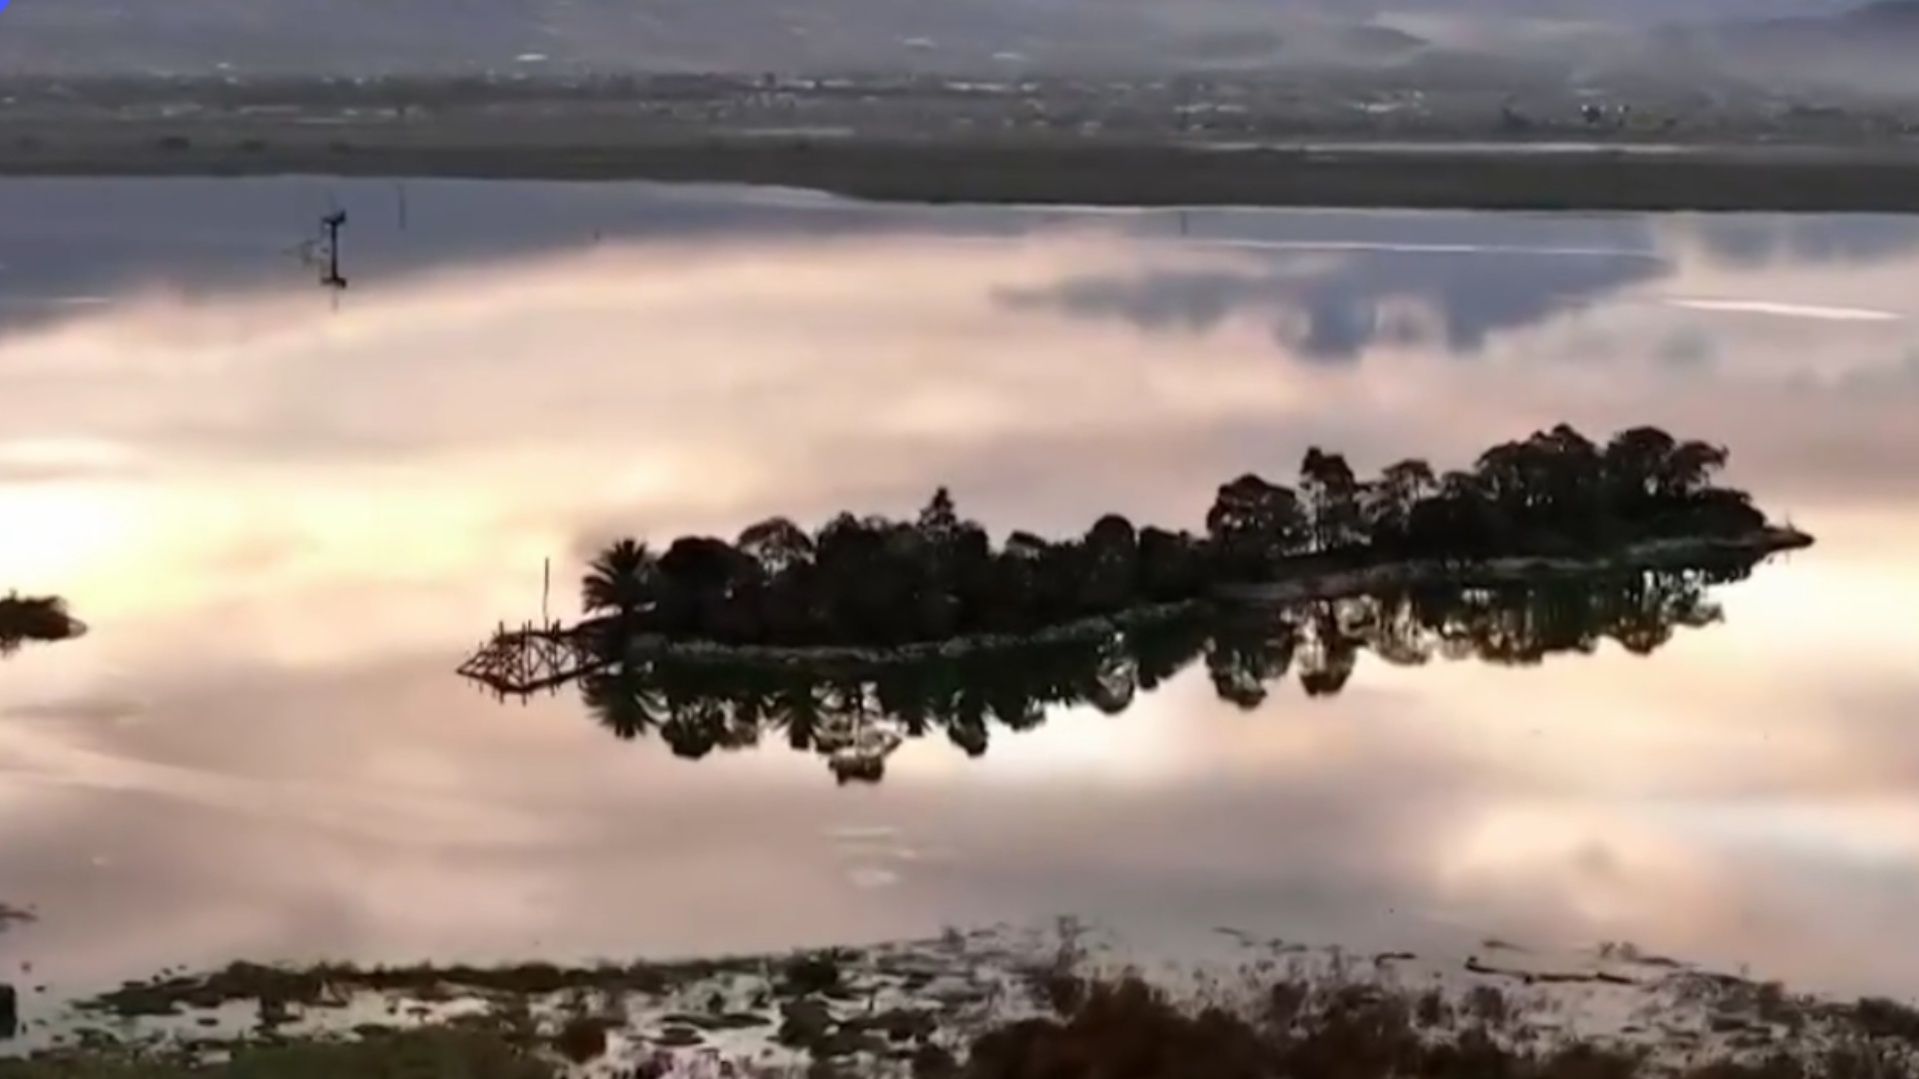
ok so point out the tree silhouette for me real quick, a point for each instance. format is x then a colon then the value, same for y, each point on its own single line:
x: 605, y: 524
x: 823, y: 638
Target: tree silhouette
x: 939, y: 520
x: 620, y: 579
x: 778, y: 545
x: 1111, y: 573
x: 1388, y: 503
x: 1253, y: 524
x: 1330, y: 492
x: 1635, y: 461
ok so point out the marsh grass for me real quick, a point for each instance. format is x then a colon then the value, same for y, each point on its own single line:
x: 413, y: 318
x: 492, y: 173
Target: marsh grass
x: 326, y: 983
x: 986, y: 1009
x: 449, y: 1053
x: 1125, y: 1027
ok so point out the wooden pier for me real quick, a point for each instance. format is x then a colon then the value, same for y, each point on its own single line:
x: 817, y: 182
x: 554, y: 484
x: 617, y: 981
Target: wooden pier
x: 531, y: 658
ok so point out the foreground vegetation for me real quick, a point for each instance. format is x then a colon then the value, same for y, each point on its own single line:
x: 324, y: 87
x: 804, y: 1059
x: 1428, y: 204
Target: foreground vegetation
x: 421, y: 1054
x: 967, y: 1007
x: 25, y: 619
x: 1127, y: 1028
x: 876, y: 582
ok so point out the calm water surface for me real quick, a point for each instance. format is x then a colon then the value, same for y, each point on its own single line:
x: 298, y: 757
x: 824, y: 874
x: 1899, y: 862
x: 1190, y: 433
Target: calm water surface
x: 287, y: 515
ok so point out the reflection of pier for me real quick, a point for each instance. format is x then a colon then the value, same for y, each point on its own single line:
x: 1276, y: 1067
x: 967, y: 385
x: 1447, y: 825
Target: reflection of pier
x: 530, y: 659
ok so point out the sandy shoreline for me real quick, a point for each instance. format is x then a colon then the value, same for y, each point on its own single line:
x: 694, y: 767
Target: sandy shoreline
x: 1057, y: 170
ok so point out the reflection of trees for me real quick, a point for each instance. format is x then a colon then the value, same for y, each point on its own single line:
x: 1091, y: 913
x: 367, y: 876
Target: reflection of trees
x: 856, y: 719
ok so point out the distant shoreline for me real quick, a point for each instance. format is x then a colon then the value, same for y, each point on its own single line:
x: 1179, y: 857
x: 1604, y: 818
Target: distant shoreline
x: 1039, y: 171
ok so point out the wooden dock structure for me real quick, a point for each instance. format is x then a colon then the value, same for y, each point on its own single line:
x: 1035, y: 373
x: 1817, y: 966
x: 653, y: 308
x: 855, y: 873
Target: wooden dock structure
x: 532, y: 658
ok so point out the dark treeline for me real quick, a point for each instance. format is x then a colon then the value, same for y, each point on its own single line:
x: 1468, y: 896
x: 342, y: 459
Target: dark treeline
x: 855, y: 717
x: 25, y: 618
x: 873, y: 581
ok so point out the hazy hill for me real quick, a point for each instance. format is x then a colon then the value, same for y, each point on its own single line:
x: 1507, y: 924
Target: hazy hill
x: 1869, y: 47
x: 1765, y: 38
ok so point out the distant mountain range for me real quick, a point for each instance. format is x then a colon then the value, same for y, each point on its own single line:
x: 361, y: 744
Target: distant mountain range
x: 1884, y: 25
x: 1869, y: 47
x: 255, y: 37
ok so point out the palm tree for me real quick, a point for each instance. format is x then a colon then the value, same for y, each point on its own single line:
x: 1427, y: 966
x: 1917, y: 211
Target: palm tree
x: 620, y: 579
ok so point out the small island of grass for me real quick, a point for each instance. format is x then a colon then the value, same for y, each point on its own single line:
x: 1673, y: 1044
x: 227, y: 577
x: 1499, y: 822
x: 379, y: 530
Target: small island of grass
x: 30, y: 618
x: 873, y: 588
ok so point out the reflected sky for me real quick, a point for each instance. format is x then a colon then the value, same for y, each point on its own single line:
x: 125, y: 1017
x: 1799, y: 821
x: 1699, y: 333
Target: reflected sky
x: 1334, y: 304
x: 287, y: 519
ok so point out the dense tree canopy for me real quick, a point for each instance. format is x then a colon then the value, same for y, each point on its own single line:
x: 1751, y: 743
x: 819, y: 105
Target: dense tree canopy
x: 1554, y: 493
x: 877, y: 581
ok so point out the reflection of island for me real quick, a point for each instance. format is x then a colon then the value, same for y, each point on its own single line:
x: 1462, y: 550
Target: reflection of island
x: 24, y: 618
x: 855, y: 716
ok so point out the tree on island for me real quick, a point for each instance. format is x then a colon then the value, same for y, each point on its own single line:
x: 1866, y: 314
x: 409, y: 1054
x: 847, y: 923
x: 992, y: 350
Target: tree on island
x: 1252, y: 525
x: 1331, y: 494
x: 622, y: 579
x: 1386, y: 505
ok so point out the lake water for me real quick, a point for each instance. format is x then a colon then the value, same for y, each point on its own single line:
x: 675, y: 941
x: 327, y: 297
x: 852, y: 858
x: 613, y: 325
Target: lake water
x: 288, y: 514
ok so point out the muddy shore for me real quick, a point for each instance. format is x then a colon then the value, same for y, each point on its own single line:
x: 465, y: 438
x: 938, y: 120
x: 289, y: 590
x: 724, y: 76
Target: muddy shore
x: 1882, y: 177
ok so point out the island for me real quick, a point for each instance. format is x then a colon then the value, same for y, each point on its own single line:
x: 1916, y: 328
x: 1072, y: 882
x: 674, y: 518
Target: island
x: 31, y: 618
x: 873, y: 590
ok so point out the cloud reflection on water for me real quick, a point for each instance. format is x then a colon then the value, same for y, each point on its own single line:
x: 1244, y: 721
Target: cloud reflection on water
x: 1336, y: 306
x: 286, y: 523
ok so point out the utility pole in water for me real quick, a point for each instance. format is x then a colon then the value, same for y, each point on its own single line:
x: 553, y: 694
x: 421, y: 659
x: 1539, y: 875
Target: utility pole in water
x: 331, y: 223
